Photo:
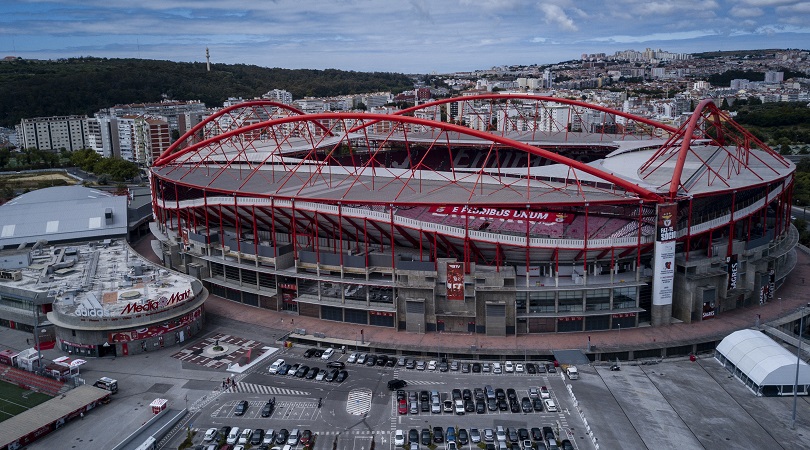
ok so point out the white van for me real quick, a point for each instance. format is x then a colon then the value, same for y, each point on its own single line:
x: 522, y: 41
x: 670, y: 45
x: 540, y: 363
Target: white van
x: 232, y: 436
x: 275, y: 366
x: 572, y: 372
x: 328, y: 353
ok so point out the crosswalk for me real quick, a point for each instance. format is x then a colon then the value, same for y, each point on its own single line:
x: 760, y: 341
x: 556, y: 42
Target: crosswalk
x: 268, y: 390
x: 359, y: 401
x: 424, y: 383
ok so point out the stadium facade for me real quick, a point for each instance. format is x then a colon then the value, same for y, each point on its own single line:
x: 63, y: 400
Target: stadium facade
x: 495, y: 214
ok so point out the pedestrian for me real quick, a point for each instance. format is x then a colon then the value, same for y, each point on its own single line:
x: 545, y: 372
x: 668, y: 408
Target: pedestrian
x: 292, y: 321
x: 81, y: 415
x: 223, y: 384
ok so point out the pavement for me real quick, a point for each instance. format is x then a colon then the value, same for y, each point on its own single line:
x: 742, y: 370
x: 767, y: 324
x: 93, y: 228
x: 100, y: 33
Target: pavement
x: 789, y: 297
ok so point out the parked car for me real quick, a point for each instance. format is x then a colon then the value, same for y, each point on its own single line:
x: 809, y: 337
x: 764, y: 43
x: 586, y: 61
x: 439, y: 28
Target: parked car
x: 309, y: 353
x: 544, y: 392
x: 211, y: 434
x: 306, y: 437
x: 537, y: 404
x: 256, y: 437
x: 475, y: 435
x: 550, y: 405
x: 476, y: 367
x: 322, y: 374
x: 241, y: 407
x: 335, y: 365
x: 531, y: 368
x: 509, y: 367
x: 341, y: 376
x: 526, y: 405
x: 438, y: 435
x: 352, y: 358
x: 362, y: 358
x: 399, y: 438
x: 312, y: 373
x: 402, y: 407
x: 275, y: 366
x: 267, y: 409
x: 432, y: 365
x: 282, y: 436
x: 328, y: 353
x: 519, y: 368
x: 425, y: 436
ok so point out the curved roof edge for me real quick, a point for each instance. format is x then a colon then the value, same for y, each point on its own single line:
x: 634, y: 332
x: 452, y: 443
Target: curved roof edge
x: 762, y: 359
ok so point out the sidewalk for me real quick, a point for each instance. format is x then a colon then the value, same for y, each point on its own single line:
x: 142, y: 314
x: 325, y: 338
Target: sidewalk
x: 792, y: 296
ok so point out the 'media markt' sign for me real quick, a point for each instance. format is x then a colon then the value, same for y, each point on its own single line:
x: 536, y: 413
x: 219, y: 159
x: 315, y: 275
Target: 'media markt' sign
x: 154, y: 305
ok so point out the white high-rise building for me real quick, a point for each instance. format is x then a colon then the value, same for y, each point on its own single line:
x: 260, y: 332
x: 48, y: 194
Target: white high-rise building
x: 279, y: 95
x: 53, y: 133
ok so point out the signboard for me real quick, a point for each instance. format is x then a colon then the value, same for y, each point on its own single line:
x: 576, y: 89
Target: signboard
x: 733, y: 269
x: 154, y: 330
x: 154, y: 305
x: 664, y: 265
x: 771, y: 284
x: 546, y: 217
x: 455, y: 281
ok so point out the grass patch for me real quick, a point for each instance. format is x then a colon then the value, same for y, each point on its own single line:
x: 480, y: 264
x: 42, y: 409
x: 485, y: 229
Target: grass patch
x: 14, y: 400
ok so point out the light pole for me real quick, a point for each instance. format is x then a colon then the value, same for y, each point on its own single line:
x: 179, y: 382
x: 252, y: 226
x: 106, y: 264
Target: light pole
x: 798, y: 361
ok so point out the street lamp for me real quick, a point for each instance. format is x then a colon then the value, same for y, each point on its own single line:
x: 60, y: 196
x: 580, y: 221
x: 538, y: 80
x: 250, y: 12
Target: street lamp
x: 798, y: 361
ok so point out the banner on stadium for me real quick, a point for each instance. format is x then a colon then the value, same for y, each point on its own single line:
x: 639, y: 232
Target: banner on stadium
x: 546, y: 217
x: 455, y: 281
x: 733, y: 268
x: 664, y: 266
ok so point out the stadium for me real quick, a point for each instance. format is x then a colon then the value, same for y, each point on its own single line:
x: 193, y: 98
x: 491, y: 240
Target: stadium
x: 496, y: 214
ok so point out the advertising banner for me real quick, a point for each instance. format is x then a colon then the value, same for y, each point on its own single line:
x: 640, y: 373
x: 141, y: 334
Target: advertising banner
x: 733, y: 268
x: 664, y: 263
x: 154, y: 330
x: 455, y: 281
x: 547, y: 217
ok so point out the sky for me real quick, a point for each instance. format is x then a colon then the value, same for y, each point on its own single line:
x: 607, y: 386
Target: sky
x: 406, y: 36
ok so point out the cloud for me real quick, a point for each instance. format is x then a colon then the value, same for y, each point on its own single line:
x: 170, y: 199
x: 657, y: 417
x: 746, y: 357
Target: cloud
x: 743, y: 12
x: 555, y: 15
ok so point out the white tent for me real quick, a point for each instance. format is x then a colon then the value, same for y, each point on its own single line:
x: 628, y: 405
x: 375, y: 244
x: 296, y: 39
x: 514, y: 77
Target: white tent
x: 762, y: 364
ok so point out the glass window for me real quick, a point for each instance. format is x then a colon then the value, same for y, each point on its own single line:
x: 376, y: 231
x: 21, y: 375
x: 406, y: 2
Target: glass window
x: 570, y: 301
x: 355, y: 292
x: 520, y: 302
x: 541, y: 302
x: 597, y: 300
x: 625, y: 297
x: 380, y: 294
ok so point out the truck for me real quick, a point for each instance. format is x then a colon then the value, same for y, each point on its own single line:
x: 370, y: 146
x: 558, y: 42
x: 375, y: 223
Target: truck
x: 107, y: 383
x: 572, y: 372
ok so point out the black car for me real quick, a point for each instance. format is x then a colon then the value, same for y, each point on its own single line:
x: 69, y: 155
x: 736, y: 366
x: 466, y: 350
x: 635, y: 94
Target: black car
x: 424, y: 396
x: 241, y: 407
x: 301, y: 371
x: 425, y: 438
x: 381, y: 360
x: 526, y: 405
x: 523, y: 434
x: 424, y: 406
x: 312, y: 373
x: 395, y: 384
x: 310, y: 352
x: 371, y: 360
x: 492, y: 404
x: 537, y: 404
x: 225, y: 430
x: 480, y: 406
x: 282, y: 370
x: 331, y: 375
x: 502, y: 405
x: 335, y: 365
x: 438, y: 435
x: 511, y: 394
x: 466, y: 394
x: 341, y: 376
x: 476, y: 367
x: 256, y: 437
x: 401, y: 394
x: 411, y: 364
x: 281, y: 437
x: 511, y: 434
x: 462, y: 436
x: 469, y: 405
x: 456, y: 394
x: 548, y: 433
x: 444, y: 367
x: 514, y: 406
x: 465, y: 368
x: 537, y: 435
x: 267, y: 409
x: 567, y: 445
x: 531, y: 368
x: 413, y: 435
x: 392, y: 361
x: 550, y: 367
x: 478, y: 394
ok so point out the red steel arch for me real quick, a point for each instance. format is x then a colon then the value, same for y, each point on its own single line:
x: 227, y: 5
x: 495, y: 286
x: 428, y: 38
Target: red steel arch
x: 537, y: 98
x: 443, y: 126
x: 244, y: 105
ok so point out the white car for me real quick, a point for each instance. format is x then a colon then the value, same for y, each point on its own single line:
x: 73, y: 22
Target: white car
x: 399, y: 438
x: 432, y: 365
x: 352, y: 358
x: 509, y: 367
x: 245, y: 436
x: 321, y: 375
x: 519, y: 368
x: 550, y: 405
x: 544, y: 393
x: 460, y: 407
x: 475, y: 435
x: 275, y: 366
x: 210, y: 435
x: 496, y: 368
x: 269, y: 436
x: 233, y: 436
x: 328, y: 353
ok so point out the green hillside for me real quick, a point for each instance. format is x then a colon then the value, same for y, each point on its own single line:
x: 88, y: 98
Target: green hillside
x: 30, y: 88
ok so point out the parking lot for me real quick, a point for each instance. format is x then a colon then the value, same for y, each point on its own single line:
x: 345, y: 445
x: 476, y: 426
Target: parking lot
x: 362, y: 409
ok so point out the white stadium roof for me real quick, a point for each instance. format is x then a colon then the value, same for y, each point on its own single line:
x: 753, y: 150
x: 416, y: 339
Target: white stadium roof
x: 762, y: 360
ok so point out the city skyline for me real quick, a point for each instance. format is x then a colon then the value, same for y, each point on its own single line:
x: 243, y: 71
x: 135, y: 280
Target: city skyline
x: 409, y: 37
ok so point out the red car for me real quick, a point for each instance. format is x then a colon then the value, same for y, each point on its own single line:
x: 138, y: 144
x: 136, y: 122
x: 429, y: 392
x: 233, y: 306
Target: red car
x: 306, y: 437
x: 403, y: 406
